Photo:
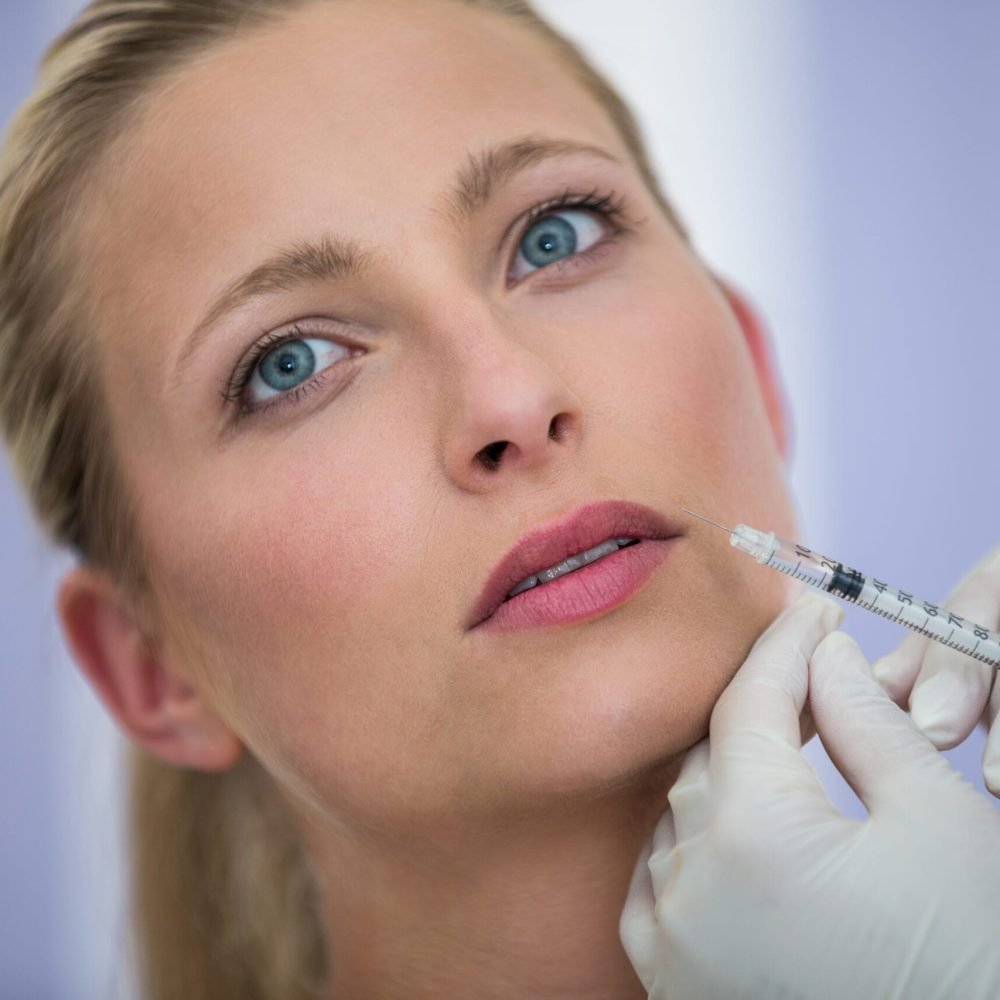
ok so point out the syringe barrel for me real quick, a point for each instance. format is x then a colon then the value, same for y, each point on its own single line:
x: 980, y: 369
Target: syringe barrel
x: 787, y: 557
x: 835, y: 578
x: 930, y: 619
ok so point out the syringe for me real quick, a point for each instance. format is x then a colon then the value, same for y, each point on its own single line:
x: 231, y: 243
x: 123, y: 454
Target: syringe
x: 835, y: 578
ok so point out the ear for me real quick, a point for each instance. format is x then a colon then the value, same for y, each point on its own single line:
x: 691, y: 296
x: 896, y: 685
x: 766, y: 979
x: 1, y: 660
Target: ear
x: 153, y: 702
x: 764, y: 364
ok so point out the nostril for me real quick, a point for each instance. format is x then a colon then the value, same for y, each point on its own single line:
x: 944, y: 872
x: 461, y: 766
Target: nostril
x: 558, y: 426
x: 490, y: 455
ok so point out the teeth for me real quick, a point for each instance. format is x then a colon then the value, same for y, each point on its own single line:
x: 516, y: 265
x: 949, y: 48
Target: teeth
x: 531, y: 581
x: 572, y: 563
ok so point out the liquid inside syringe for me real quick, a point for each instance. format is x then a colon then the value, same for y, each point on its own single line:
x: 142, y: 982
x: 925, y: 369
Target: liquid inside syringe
x: 867, y: 592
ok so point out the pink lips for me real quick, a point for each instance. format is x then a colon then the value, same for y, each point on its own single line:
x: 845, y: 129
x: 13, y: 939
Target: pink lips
x: 585, y: 591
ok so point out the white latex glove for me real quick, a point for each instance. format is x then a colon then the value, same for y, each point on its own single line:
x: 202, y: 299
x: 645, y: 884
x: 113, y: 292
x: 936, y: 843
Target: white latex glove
x: 948, y: 692
x: 755, y: 886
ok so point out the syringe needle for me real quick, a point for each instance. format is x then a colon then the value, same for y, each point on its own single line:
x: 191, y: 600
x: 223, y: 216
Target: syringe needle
x: 706, y: 519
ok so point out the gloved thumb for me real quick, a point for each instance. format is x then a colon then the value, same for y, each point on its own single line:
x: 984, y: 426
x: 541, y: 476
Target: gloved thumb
x: 871, y: 741
x: 688, y: 815
x: 637, y: 926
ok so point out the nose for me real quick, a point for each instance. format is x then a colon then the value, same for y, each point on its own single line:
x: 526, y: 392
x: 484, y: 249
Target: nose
x: 508, y: 412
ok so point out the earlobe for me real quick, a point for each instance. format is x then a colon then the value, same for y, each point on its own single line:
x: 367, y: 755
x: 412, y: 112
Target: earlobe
x: 154, y: 702
x: 765, y: 365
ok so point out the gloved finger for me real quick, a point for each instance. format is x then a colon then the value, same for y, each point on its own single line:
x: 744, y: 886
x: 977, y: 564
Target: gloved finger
x: 690, y: 797
x: 807, y: 728
x: 661, y: 856
x: 755, y: 722
x: 898, y: 671
x: 871, y: 740
x: 978, y: 593
x: 950, y: 695
x: 951, y: 689
x: 637, y: 924
x: 991, y: 753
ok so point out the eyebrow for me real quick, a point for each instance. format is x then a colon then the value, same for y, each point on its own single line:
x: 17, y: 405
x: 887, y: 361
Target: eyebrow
x: 483, y: 174
x: 330, y: 258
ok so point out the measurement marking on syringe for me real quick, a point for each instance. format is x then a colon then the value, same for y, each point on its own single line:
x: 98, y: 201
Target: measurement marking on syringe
x: 838, y: 579
x: 795, y: 574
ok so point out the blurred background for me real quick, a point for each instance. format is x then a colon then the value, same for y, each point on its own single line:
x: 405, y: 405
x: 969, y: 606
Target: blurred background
x: 838, y: 161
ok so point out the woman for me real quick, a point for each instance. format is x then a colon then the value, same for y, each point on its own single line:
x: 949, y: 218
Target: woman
x: 327, y: 328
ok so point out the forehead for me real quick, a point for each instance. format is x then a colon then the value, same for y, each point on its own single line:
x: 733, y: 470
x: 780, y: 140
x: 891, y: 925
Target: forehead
x: 363, y: 97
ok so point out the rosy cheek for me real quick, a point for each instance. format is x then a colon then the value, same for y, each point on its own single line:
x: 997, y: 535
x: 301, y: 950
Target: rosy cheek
x: 298, y: 544
x: 686, y: 382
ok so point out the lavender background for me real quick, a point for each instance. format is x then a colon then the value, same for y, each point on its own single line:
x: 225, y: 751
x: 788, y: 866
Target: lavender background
x: 839, y: 162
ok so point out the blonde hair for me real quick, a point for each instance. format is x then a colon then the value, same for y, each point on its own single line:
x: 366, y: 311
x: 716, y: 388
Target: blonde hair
x: 225, y: 904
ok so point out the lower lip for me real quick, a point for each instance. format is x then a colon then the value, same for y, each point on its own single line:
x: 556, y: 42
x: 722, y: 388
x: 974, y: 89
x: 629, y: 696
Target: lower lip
x: 584, y: 593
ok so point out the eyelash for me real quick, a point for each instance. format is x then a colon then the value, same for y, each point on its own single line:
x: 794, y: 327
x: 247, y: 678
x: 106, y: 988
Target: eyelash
x: 609, y: 206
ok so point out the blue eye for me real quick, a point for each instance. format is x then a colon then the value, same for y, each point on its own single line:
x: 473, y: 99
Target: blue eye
x: 286, y: 366
x: 556, y: 237
x: 289, y: 365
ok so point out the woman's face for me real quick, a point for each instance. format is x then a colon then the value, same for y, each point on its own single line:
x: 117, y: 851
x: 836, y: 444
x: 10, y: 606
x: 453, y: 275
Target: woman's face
x: 321, y: 524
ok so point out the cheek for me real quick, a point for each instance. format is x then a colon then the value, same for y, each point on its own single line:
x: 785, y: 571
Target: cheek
x: 247, y: 559
x: 683, y: 399
x: 289, y: 577
x: 683, y: 386
x: 298, y: 598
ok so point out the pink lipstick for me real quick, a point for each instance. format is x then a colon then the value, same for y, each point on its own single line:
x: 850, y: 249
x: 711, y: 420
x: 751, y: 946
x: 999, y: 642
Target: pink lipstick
x: 578, y: 567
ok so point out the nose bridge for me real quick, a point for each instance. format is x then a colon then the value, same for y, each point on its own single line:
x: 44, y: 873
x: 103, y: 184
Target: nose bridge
x: 505, y: 407
x: 480, y: 339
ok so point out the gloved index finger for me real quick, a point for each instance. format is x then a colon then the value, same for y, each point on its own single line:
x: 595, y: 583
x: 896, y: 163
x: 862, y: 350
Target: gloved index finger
x: 756, y: 721
x: 951, y: 689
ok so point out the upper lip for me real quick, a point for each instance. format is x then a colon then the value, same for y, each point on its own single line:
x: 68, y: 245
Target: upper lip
x: 582, y: 529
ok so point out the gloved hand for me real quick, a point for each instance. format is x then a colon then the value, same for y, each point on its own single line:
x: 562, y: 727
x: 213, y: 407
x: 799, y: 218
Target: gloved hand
x: 755, y: 886
x: 949, y: 692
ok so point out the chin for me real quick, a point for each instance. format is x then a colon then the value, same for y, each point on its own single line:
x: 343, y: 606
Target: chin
x: 624, y: 713
x: 621, y: 699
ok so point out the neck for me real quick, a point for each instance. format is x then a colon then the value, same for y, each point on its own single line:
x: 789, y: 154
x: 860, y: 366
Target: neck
x: 512, y: 909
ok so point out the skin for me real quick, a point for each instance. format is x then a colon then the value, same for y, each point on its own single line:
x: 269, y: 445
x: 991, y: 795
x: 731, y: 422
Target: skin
x: 474, y: 803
